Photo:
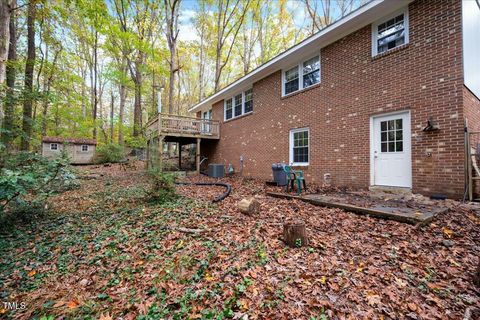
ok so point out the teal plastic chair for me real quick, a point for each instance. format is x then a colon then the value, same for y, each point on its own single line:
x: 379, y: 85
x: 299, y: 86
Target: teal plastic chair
x: 295, y: 176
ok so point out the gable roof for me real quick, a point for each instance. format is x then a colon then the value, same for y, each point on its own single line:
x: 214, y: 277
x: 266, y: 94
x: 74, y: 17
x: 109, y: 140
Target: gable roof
x: 363, y: 16
x: 69, y: 140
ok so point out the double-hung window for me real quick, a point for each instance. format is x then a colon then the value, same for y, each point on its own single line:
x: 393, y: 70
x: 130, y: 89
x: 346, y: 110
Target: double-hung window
x: 239, y: 104
x: 228, y: 109
x: 301, y: 76
x: 248, y: 100
x: 311, y: 72
x: 390, y: 33
x: 299, y: 147
x: 291, y: 80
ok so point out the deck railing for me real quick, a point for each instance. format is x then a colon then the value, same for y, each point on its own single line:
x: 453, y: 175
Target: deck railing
x: 184, y: 126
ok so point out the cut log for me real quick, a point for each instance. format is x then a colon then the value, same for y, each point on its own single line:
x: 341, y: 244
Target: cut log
x: 249, y: 206
x: 295, y: 234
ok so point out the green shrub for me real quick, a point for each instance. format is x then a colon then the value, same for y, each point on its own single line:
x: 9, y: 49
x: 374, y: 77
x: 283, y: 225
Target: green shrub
x: 162, y: 186
x: 27, y: 180
x: 136, y: 142
x: 109, y: 153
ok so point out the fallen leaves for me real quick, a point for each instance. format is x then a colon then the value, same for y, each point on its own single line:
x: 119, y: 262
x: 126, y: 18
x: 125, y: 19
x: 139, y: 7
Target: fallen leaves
x: 120, y: 257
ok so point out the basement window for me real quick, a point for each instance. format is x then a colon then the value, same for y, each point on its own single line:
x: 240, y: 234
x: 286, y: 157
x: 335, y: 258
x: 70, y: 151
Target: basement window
x: 53, y: 146
x: 299, y: 147
x: 390, y: 32
x: 301, y: 76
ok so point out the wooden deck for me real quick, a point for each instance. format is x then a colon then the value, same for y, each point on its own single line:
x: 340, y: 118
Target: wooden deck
x: 182, y: 127
x: 177, y: 129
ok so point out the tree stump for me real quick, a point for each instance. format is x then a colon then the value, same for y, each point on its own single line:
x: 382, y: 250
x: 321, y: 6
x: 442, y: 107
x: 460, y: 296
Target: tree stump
x: 295, y: 234
x: 476, y: 276
x: 249, y: 206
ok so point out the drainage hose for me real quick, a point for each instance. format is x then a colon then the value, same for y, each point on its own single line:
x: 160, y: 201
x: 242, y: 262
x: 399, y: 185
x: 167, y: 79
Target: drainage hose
x: 220, y: 184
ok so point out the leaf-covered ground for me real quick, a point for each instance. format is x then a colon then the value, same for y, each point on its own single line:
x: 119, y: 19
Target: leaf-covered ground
x: 105, y: 253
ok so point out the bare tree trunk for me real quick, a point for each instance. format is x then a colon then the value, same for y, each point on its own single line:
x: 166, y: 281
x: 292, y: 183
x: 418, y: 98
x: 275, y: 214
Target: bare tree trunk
x: 201, y: 66
x: 112, y: 105
x: 121, y: 112
x: 83, y: 73
x: 6, y: 7
x: 95, y: 77
x: 46, y: 92
x: 172, y: 7
x: 137, y: 108
x: 29, y: 66
x: 227, y: 27
x: 11, y: 72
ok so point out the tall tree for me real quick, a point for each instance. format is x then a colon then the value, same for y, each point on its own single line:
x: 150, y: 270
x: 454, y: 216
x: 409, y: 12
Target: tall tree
x: 28, y: 86
x: 172, y: 8
x: 136, y: 22
x: 7, y: 125
x: 5, y: 11
x: 229, y: 21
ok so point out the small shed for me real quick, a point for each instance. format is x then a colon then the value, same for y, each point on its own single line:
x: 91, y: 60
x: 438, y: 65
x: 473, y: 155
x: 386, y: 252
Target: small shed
x: 80, y: 150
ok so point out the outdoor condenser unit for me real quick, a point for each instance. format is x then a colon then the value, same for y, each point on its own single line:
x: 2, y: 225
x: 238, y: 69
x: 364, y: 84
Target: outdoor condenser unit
x: 216, y: 170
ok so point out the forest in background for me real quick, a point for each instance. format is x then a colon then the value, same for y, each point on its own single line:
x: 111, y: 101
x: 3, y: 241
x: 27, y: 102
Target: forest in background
x: 93, y: 69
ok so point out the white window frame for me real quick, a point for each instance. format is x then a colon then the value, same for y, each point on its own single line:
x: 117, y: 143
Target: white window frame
x: 56, y: 147
x: 225, y: 110
x: 233, y: 106
x: 300, y: 75
x: 290, y: 147
x: 84, y: 145
x: 384, y: 19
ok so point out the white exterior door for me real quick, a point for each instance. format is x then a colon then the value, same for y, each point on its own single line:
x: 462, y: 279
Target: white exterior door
x: 207, y: 115
x: 391, y: 150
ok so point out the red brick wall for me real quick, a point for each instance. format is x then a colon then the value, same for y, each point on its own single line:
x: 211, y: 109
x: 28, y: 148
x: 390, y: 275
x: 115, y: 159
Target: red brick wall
x: 424, y: 76
x: 472, y: 109
x: 472, y: 115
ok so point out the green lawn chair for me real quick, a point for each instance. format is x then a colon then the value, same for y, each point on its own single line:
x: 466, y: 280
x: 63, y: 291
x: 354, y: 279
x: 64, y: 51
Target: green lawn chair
x: 295, y: 175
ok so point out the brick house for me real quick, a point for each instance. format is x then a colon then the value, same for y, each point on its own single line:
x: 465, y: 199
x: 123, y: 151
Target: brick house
x: 378, y: 98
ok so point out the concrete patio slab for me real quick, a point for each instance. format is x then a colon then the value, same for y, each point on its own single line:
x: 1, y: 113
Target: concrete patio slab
x: 417, y: 215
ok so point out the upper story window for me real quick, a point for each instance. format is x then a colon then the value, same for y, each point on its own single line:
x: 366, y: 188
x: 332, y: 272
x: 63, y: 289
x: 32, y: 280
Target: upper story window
x: 301, y: 76
x: 248, y: 100
x: 311, y: 72
x: 84, y: 148
x: 228, y: 109
x: 390, y: 33
x: 239, y: 104
x: 53, y: 146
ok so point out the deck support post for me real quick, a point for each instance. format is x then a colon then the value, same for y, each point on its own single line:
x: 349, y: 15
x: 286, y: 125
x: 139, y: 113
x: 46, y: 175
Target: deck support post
x: 197, y: 158
x: 160, y: 152
x: 179, y: 156
x: 148, y: 153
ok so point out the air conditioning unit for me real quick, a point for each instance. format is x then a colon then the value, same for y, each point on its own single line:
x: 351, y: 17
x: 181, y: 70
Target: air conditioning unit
x: 216, y: 170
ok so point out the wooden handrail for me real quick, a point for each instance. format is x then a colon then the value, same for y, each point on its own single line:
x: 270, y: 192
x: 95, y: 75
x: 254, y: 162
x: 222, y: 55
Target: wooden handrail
x: 184, y: 125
